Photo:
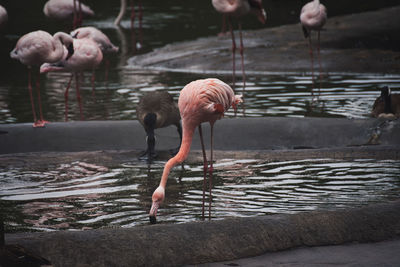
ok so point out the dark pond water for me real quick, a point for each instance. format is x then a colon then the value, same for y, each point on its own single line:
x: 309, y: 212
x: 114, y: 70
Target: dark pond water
x: 165, y: 22
x: 74, y: 195
x: 77, y: 195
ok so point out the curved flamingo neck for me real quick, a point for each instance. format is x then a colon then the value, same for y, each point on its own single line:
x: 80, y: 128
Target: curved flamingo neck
x: 60, y: 39
x: 188, y: 131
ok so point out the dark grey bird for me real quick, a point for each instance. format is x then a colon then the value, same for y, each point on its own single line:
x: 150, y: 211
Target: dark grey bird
x: 387, y: 105
x: 157, y: 110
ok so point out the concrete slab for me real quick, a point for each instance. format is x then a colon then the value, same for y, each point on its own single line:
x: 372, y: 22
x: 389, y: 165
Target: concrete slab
x: 230, y: 134
x: 364, y: 42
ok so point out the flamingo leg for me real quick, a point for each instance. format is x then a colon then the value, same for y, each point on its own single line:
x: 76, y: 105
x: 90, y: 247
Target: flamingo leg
x: 233, y: 54
x: 78, y: 95
x: 140, y: 14
x: 66, y: 97
x: 41, y: 122
x: 75, y: 20
x: 211, y: 171
x: 31, y: 97
x: 107, y: 62
x: 223, y: 27
x: 319, y: 63
x: 205, y: 167
x: 133, y: 15
x: 92, y: 79
x: 241, y: 49
x: 80, y: 17
x: 312, y: 64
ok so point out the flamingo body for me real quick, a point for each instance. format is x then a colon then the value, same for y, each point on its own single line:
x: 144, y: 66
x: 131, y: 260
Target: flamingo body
x: 87, y: 55
x: 64, y: 9
x: 96, y: 35
x: 199, y: 101
x: 313, y: 16
x: 38, y: 47
x: 34, y: 49
x: 3, y: 17
x: 239, y: 8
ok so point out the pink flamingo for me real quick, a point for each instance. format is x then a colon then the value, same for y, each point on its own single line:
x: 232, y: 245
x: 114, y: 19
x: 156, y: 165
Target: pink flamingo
x: 36, y: 48
x: 3, y: 17
x: 87, y: 55
x: 313, y: 17
x: 237, y: 9
x: 102, y: 41
x: 67, y: 9
x: 199, y: 101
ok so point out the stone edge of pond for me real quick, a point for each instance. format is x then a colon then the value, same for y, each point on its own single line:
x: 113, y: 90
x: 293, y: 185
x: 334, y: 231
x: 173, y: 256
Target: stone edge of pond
x: 214, y: 241
x: 240, y: 134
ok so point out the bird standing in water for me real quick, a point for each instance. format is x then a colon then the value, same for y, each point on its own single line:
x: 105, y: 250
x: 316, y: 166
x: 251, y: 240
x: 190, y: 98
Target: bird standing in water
x: 199, y: 101
x: 157, y: 110
x: 387, y: 105
x: 87, y: 56
x: 67, y: 9
x: 36, y: 48
x: 102, y: 41
x: 237, y: 9
x: 313, y: 17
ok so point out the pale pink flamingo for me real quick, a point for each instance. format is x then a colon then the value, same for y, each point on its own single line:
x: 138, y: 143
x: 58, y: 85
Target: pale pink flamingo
x: 157, y: 110
x: 199, y: 101
x: 237, y: 9
x: 101, y: 39
x: 313, y: 17
x: 122, y: 12
x: 36, y: 48
x: 67, y: 9
x: 3, y: 17
x: 87, y: 55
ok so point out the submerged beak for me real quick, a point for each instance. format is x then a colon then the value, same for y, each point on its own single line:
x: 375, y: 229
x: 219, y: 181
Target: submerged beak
x: 153, y: 212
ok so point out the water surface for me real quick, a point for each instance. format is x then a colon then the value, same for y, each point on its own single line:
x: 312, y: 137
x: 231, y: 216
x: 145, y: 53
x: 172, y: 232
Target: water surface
x: 77, y: 195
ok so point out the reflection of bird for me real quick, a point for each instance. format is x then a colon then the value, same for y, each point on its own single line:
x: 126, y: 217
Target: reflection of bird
x: 3, y: 17
x: 157, y: 110
x: 87, y: 55
x: 313, y: 17
x: 67, y: 9
x: 101, y: 39
x: 199, y: 101
x: 133, y: 14
x: 387, y: 105
x: 36, y: 48
x: 239, y: 8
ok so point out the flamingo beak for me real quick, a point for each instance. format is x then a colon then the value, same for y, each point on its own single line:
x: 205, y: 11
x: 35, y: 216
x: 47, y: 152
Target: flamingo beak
x: 153, y: 212
x: 262, y: 16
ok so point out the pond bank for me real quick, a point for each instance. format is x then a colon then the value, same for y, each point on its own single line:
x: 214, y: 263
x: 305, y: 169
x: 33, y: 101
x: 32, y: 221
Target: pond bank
x: 362, y: 43
x: 202, y: 242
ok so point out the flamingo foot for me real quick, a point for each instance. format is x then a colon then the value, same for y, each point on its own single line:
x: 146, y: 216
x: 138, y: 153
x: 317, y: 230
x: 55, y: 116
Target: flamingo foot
x: 39, y: 123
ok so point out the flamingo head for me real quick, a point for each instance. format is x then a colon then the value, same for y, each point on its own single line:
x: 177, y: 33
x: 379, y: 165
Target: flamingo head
x: 49, y: 67
x: 258, y: 10
x: 157, y: 198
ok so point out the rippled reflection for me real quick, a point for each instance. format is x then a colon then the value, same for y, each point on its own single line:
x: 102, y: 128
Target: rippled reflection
x: 289, y: 95
x: 80, y: 195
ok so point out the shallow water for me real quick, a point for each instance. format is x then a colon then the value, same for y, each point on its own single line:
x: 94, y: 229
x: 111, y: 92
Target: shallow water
x: 78, y: 195
x: 343, y: 95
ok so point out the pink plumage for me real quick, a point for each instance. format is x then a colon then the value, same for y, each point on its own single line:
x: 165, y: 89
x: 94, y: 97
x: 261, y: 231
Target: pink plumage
x: 35, y: 48
x: 199, y: 101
